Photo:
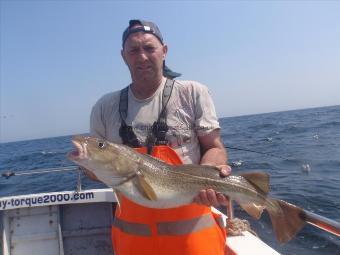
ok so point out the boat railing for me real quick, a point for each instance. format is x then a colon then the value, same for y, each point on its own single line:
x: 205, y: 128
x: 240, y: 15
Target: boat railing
x: 323, y: 223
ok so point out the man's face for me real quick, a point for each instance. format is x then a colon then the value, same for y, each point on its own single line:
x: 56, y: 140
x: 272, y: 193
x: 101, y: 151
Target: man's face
x: 144, y: 55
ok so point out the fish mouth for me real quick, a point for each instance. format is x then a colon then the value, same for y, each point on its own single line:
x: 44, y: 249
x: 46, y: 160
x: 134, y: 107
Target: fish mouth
x: 80, y: 151
x: 73, y: 154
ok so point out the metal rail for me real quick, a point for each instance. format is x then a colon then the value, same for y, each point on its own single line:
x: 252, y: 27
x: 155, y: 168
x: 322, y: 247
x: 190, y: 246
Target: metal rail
x: 331, y: 226
x: 9, y: 173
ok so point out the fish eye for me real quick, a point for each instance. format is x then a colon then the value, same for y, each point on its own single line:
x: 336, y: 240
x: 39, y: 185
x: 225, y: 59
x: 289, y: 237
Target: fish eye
x: 101, y: 144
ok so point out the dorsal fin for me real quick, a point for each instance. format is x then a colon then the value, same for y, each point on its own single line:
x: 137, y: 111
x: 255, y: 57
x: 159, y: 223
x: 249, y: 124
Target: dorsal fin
x: 258, y: 179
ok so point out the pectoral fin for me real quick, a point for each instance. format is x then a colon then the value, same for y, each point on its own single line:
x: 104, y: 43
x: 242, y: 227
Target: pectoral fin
x: 145, y: 188
x: 117, y: 195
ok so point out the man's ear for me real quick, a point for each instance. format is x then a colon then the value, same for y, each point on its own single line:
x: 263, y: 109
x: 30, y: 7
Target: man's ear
x: 165, y: 51
x: 123, y: 55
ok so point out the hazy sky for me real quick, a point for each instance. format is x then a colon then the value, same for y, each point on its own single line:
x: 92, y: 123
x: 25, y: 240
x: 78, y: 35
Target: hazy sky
x: 59, y: 57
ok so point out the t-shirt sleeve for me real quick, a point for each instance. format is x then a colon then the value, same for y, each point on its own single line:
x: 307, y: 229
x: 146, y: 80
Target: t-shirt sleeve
x: 206, y: 118
x: 97, y: 127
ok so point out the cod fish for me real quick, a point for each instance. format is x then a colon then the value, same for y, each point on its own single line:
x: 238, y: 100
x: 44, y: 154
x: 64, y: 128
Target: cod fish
x: 153, y: 183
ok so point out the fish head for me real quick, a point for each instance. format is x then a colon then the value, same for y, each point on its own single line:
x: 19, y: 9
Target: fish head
x: 107, y: 161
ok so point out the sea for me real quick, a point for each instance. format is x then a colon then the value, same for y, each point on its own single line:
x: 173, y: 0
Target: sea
x: 299, y: 149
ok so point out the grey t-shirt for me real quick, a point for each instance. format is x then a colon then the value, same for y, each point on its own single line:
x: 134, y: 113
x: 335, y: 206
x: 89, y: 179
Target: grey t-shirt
x: 190, y: 113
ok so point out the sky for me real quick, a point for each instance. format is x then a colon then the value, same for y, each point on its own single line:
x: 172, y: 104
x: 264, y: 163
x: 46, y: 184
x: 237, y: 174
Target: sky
x: 57, y: 58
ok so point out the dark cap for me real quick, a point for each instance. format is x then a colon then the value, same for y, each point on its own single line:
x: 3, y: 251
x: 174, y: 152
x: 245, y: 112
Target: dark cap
x: 151, y: 28
x: 145, y: 26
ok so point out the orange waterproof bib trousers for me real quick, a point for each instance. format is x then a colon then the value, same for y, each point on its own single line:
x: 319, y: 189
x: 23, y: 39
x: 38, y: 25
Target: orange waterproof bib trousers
x: 189, y: 230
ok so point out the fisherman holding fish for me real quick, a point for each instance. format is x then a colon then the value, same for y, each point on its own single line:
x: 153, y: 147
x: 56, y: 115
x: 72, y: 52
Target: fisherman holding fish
x: 157, y: 144
x: 172, y: 120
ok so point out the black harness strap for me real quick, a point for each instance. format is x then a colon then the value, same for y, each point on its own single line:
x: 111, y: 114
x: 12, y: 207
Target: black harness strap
x: 126, y: 132
x: 169, y: 84
x: 159, y: 128
x: 123, y: 103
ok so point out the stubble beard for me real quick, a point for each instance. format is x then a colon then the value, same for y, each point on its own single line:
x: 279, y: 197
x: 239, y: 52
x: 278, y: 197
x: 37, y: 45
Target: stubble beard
x: 146, y: 77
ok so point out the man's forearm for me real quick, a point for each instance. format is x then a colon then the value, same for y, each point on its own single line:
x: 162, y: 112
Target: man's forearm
x: 215, y: 157
x: 214, y: 154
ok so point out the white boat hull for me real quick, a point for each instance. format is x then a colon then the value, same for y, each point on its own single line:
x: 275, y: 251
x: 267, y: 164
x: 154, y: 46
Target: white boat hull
x: 65, y: 223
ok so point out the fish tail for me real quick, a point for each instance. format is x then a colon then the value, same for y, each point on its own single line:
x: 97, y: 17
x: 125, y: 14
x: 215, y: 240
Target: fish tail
x: 287, y: 219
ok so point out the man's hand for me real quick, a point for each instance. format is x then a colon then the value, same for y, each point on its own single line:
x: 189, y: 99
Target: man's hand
x: 209, y: 197
x: 214, y: 154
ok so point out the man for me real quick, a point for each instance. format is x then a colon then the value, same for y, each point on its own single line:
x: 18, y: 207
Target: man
x: 169, y: 119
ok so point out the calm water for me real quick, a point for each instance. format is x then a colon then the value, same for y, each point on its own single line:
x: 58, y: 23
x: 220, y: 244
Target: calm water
x: 300, y: 137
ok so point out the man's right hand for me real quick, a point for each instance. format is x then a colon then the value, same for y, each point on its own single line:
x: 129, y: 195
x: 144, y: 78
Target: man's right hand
x: 209, y: 197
